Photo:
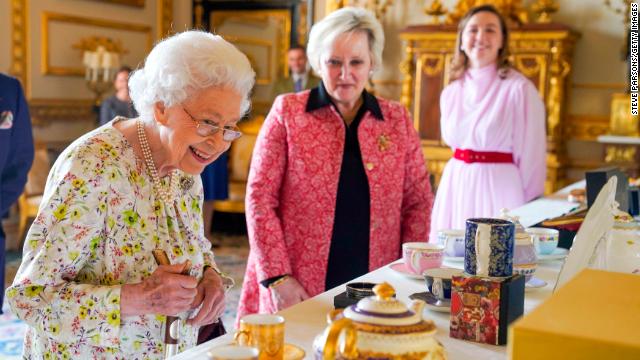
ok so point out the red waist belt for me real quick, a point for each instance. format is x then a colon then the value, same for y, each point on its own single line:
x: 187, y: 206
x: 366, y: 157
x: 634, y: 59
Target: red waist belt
x: 470, y: 156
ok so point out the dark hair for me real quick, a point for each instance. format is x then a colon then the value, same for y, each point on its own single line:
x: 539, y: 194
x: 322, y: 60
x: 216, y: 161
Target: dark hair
x: 460, y: 61
x: 297, y: 47
x: 124, y: 68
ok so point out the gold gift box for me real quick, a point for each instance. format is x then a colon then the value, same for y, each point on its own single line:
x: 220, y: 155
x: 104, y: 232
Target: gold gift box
x: 596, y: 315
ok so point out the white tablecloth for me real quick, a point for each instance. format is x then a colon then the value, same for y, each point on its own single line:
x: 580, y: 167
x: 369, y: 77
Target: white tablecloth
x: 306, y: 320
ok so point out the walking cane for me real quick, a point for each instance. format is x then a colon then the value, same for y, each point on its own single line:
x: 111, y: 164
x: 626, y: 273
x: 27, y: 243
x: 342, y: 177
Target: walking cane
x: 172, y: 324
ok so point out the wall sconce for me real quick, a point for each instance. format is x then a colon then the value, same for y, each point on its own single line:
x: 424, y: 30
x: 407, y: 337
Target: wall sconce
x: 100, y: 67
x: 101, y: 59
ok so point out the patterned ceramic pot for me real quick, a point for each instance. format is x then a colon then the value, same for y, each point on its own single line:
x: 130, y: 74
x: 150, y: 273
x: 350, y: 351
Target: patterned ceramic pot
x: 489, y: 245
x: 525, y: 260
x: 379, y: 327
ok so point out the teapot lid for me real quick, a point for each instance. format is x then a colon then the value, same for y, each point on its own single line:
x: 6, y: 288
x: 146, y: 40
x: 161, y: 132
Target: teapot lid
x: 383, y: 309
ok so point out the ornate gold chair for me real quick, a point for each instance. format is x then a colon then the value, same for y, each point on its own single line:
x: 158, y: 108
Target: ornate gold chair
x: 239, y: 160
x: 29, y: 201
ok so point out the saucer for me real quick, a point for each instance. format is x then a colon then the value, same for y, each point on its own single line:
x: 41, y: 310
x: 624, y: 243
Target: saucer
x: 557, y: 254
x: 454, y: 259
x: 534, y: 283
x: 293, y: 352
x: 401, y: 268
x: 432, y: 303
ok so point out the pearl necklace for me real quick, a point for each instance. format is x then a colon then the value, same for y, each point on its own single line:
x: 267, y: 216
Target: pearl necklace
x: 166, y: 195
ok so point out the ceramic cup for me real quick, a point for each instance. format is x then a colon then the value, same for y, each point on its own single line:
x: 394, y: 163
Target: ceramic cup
x: 233, y: 352
x: 453, y: 241
x: 420, y: 256
x: 544, y: 240
x: 439, y: 281
x: 264, y: 332
x: 525, y: 260
x: 489, y: 245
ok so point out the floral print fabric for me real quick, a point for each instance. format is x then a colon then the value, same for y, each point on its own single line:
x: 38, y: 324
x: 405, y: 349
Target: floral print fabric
x: 98, y: 222
x: 292, y: 187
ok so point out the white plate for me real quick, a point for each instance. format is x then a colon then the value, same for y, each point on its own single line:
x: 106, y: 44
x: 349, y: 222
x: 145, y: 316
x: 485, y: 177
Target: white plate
x: 454, y: 259
x: 534, y: 283
x: 400, y: 268
x: 557, y: 254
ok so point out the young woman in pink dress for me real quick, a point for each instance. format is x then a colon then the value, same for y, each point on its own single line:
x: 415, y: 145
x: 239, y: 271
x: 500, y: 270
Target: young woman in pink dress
x: 494, y: 120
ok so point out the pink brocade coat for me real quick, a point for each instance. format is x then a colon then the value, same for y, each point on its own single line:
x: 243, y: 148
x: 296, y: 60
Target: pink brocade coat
x: 292, y: 187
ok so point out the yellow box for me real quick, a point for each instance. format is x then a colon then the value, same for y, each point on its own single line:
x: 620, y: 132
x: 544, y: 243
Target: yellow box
x: 596, y: 315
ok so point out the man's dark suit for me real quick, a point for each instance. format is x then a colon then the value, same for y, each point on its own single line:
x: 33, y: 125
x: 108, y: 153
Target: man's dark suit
x: 16, y: 152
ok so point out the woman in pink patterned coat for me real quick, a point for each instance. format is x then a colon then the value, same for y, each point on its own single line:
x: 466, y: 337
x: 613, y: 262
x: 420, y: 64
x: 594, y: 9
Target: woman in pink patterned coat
x: 337, y: 179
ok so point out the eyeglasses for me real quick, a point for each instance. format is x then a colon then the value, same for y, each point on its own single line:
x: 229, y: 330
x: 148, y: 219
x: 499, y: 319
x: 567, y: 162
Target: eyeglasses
x: 206, y: 128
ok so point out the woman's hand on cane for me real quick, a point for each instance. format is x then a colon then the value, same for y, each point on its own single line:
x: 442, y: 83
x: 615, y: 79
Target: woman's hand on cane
x: 165, y: 292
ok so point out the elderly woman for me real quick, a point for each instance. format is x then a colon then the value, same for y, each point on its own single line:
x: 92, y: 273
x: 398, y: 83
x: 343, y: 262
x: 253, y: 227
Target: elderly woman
x: 88, y: 285
x: 493, y: 119
x: 337, y: 180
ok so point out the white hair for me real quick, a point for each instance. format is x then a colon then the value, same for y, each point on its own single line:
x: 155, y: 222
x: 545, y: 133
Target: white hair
x: 186, y: 63
x: 345, y: 20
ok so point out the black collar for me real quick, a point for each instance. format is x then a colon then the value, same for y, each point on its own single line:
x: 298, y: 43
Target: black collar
x: 319, y: 98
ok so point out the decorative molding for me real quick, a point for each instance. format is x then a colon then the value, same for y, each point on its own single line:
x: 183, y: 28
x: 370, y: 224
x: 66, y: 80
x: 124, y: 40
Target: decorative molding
x: 164, y: 26
x: 241, y: 40
x: 218, y: 18
x: 45, y: 111
x: 48, y: 17
x: 600, y: 86
x: 387, y: 82
x: 136, y: 3
x: 19, y: 44
x: 586, y: 127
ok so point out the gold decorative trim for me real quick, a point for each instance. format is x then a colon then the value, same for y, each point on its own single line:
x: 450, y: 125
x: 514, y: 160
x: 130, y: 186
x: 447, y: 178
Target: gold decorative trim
x: 407, y: 69
x: 424, y: 328
x: 198, y: 13
x: 48, y: 17
x: 600, y: 86
x: 619, y: 153
x: 387, y: 82
x: 45, y: 111
x: 257, y: 42
x: 164, y: 26
x: 136, y: 3
x: 586, y: 127
x: 282, y: 16
x: 19, y: 44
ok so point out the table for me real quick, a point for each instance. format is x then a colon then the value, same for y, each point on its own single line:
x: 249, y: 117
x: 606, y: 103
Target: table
x: 306, y: 320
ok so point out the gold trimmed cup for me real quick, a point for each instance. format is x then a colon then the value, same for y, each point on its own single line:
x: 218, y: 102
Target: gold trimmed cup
x: 264, y: 332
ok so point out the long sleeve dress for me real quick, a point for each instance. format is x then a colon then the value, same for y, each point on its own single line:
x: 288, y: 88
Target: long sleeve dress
x: 483, y: 112
x: 98, y: 223
x: 293, y: 187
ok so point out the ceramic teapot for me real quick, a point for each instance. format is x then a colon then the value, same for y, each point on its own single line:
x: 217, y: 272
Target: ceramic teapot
x: 379, y: 327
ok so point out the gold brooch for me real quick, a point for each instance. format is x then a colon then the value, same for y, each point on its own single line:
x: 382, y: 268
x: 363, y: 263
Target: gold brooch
x: 383, y: 142
x: 186, y: 183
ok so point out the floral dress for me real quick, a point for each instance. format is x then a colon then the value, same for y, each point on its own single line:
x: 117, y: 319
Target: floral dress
x: 98, y: 222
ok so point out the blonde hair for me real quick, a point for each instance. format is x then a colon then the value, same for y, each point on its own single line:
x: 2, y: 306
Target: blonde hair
x: 345, y: 20
x: 460, y: 62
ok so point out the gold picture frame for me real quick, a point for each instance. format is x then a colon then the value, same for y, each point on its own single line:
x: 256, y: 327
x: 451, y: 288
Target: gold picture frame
x: 622, y: 123
x: 49, y: 17
x: 135, y: 3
